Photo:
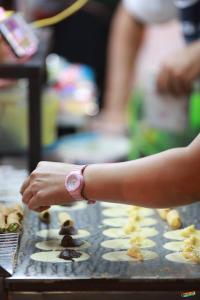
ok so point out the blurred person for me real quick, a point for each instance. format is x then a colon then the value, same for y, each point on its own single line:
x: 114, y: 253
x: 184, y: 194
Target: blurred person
x: 176, y: 75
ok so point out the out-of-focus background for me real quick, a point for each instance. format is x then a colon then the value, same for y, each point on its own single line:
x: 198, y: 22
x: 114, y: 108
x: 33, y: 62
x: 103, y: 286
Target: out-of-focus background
x: 74, y: 90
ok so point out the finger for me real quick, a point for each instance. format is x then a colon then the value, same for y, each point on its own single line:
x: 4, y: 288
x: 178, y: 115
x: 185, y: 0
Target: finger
x: 27, y: 195
x: 32, y: 204
x: 38, y: 201
x: 25, y: 185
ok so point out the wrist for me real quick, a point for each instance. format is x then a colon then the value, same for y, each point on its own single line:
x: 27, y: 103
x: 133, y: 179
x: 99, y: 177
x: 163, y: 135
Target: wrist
x: 103, y: 182
x: 88, y: 182
x: 75, y: 182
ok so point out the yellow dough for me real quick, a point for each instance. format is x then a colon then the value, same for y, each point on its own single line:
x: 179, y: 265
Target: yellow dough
x: 122, y: 244
x: 55, y: 245
x: 114, y: 205
x: 173, y: 246
x: 130, y: 228
x: 118, y: 256
x: 63, y: 217
x: 120, y: 222
x: 163, y: 213
x: 78, y: 205
x: 119, y: 212
x: 173, y: 219
x: 179, y: 258
x: 119, y: 232
x: 52, y: 257
x: 182, y: 234
x: 178, y: 246
x: 54, y: 234
x: 135, y: 253
x: 188, y: 231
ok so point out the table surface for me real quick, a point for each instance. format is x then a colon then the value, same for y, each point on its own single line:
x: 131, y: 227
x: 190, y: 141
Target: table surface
x: 36, y: 61
x: 155, y: 274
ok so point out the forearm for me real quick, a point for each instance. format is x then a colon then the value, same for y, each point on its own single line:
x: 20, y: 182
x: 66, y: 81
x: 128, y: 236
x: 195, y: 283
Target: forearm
x: 164, y: 180
x: 126, y: 37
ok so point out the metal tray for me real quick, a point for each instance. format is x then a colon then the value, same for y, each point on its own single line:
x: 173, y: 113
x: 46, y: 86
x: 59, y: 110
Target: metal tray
x: 96, y: 273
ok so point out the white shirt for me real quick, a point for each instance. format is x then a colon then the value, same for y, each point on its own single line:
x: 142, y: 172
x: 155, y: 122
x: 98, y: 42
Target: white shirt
x: 151, y: 11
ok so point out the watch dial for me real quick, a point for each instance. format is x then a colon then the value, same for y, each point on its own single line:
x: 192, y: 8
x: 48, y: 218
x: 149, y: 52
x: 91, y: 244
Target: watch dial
x: 73, y: 183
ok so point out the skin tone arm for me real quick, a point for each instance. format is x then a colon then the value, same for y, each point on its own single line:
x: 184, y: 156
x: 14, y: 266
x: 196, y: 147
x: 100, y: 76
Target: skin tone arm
x: 168, y: 179
x: 125, y: 41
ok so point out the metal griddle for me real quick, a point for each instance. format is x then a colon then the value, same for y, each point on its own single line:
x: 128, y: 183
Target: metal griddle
x: 97, y: 274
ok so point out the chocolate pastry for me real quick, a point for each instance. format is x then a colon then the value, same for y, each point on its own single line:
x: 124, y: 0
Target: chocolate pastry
x: 68, y: 254
x: 68, y: 230
x: 68, y: 223
x: 68, y: 241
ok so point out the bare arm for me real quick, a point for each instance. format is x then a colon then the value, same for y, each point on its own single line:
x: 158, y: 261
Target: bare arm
x: 170, y: 178
x: 125, y: 40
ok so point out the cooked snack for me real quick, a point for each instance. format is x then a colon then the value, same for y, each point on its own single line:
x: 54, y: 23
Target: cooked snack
x: 182, y: 234
x: 120, y: 244
x: 54, y: 245
x: 10, y: 218
x: 69, y: 223
x: 179, y: 258
x: 68, y: 254
x: 173, y: 219
x: 68, y: 241
x: 190, y: 251
x: 63, y: 217
x: 171, y: 216
x: 129, y: 228
x: 186, y: 232
x: 120, y: 222
x: 123, y: 256
x: 13, y: 222
x: 18, y: 209
x: 68, y: 230
x: 135, y: 253
x: 192, y: 241
x: 53, y: 257
x: 2, y: 223
x: 119, y: 232
x: 54, y: 234
x: 135, y: 217
x: 163, y: 213
x: 137, y: 240
x: 120, y: 212
x: 44, y: 216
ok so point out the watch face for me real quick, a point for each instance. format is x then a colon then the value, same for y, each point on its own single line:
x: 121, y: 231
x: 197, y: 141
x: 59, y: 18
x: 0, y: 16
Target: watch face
x: 73, y: 183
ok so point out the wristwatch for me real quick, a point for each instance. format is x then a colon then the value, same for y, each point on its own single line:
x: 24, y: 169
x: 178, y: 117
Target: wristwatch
x: 74, y: 184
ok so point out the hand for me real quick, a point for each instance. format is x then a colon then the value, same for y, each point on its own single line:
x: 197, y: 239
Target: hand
x: 179, y: 71
x: 45, y: 186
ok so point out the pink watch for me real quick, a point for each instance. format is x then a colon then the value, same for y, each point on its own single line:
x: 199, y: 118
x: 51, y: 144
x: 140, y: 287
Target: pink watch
x: 74, y: 184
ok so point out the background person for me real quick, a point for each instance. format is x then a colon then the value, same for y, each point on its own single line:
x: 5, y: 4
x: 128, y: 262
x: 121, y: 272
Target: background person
x: 177, y: 73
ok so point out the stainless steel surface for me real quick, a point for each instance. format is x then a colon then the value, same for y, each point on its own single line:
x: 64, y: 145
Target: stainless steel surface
x: 8, y: 253
x: 96, y: 273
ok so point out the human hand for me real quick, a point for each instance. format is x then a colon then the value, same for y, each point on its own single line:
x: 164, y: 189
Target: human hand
x: 45, y: 186
x: 179, y: 71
